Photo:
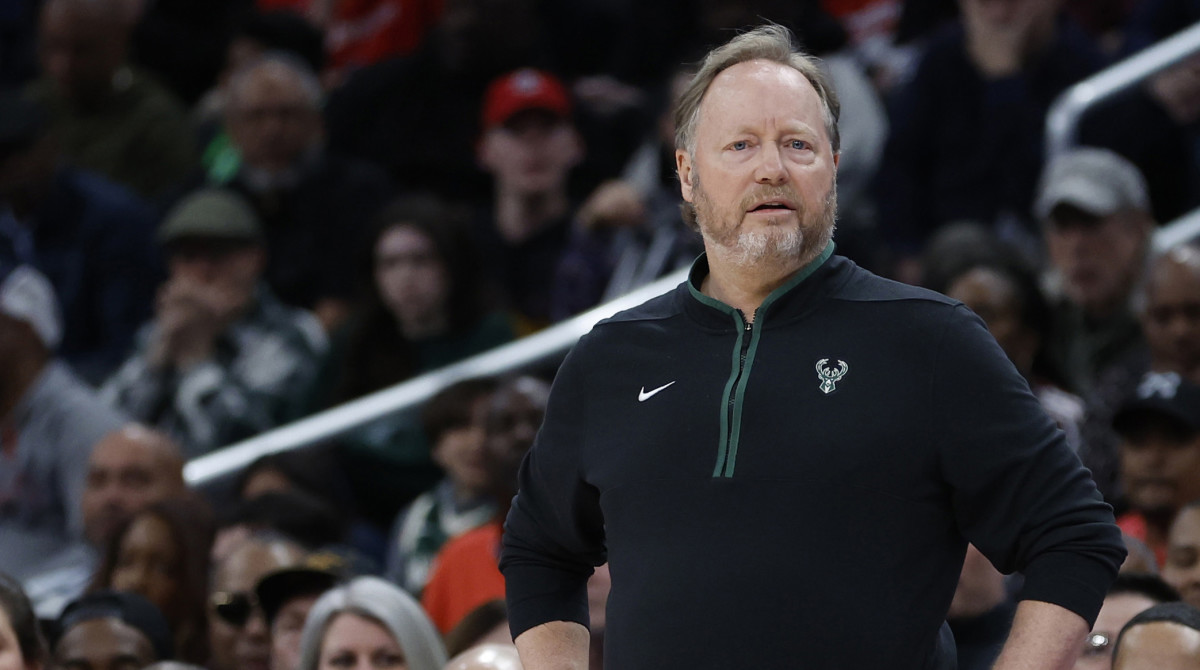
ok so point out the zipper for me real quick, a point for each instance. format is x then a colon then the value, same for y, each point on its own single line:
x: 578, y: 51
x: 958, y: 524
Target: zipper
x: 731, y: 418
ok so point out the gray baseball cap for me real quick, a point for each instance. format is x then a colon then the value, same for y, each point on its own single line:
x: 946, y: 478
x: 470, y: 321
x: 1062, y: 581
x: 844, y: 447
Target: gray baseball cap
x: 211, y: 213
x: 1097, y: 181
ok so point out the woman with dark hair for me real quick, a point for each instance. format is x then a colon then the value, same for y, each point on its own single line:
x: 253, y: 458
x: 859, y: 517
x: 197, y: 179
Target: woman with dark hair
x: 162, y: 554
x: 21, y: 644
x: 425, y: 308
x: 1004, y: 291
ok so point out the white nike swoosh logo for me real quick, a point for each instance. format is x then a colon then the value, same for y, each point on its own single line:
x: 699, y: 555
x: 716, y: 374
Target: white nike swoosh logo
x: 645, y: 395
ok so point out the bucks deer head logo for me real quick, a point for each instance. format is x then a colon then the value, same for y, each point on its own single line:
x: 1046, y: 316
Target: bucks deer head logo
x: 830, y: 375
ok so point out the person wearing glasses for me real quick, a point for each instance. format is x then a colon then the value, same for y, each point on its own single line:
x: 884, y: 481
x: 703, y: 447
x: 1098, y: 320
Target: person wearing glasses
x: 369, y: 623
x: 237, y: 628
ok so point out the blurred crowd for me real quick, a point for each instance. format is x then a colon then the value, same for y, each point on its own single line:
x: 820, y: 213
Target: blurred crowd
x: 219, y: 216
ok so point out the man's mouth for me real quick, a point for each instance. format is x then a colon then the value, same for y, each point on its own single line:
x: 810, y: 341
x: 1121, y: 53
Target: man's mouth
x: 774, y: 205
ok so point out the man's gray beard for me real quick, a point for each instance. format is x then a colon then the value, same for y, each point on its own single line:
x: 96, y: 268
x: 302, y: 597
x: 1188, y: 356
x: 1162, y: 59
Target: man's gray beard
x: 777, y: 242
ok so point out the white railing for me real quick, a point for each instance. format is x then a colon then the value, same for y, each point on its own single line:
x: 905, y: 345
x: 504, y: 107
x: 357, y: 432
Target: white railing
x: 546, y: 345
x: 1062, y: 121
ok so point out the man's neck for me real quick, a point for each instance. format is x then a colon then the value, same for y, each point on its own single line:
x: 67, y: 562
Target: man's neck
x: 745, y: 287
x: 520, y: 215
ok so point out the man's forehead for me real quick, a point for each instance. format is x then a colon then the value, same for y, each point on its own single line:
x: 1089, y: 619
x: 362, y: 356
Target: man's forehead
x: 756, y: 88
x: 251, y: 560
x: 106, y: 636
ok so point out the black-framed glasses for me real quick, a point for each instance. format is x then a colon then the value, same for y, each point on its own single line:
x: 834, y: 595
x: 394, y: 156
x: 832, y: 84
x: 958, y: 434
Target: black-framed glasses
x: 234, y: 607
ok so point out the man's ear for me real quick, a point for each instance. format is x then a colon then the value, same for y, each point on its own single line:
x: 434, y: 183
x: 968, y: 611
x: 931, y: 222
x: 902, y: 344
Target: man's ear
x: 683, y: 167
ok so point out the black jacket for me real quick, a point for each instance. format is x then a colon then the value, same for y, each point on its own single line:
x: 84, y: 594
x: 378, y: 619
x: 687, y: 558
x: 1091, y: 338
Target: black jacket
x: 798, y: 492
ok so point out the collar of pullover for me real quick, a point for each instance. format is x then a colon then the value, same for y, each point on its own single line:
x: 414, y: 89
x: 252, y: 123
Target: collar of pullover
x: 790, y: 299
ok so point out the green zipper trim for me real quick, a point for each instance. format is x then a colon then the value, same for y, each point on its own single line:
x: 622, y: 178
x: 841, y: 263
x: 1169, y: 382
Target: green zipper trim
x: 736, y: 387
x: 723, y: 444
x: 735, y: 432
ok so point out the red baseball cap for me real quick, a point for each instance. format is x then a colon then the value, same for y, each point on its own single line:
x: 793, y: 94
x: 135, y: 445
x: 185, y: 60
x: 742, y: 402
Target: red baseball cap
x: 522, y: 90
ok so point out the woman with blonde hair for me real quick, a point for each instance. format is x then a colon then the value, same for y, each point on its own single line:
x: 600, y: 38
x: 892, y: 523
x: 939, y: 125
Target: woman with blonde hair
x: 369, y: 623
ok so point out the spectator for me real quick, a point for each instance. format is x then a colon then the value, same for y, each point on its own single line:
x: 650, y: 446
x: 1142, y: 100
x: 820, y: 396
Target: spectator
x: 1170, y: 319
x: 237, y: 629
x: 489, y: 656
x: 222, y: 360
x: 129, y: 469
x: 966, y: 132
x: 629, y: 230
x: 1182, y: 568
x: 454, y: 422
x: 1004, y: 292
x: 1164, y: 637
x: 261, y: 33
x: 310, y: 478
x: 287, y: 596
x: 109, y: 116
x: 367, y: 619
x: 162, y: 554
x: 1171, y: 315
x: 313, y: 206
x: 1097, y: 222
x: 19, y: 629
x: 425, y: 308
x: 90, y: 237
x: 1159, y: 427
x: 1130, y: 595
x: 109, y: 629
x: 529, y: 146
x: 50, y: 420
x: 466, y: 572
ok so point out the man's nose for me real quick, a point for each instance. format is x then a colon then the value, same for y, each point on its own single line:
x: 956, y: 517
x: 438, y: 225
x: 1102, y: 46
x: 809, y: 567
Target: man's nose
x: 769, y: 169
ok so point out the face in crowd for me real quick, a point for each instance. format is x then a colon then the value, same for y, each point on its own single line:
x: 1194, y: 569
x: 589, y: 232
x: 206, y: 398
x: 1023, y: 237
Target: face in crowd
x: 513, y: 421
x: 532, y: 152
x: 237, y: 626
x: 412, y: 278
x: 1098, y: 258
x: 273, y: 115
x: 1160, y: 466
x: 128, y: 470
x: 1171, y: 315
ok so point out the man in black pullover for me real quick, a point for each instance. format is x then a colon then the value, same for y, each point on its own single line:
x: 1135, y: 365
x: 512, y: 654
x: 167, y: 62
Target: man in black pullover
x: 783, y: 459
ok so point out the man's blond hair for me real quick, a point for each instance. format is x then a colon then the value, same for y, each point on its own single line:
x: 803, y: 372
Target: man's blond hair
x: 771, y: 43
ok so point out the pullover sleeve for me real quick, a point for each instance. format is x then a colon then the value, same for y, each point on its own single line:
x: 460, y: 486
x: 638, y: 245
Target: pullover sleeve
x: 554, y: 535
x: 1019, y: 493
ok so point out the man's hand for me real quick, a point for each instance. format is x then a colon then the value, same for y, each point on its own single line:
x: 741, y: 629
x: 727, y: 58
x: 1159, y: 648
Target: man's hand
x: 614, y: 204
x: 1043, y: 637
x: 189, y: 318
x: 557, y: 645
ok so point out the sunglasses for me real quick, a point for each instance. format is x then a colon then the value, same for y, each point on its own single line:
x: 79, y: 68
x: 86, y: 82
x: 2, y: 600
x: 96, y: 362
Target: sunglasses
x: 234, y: 608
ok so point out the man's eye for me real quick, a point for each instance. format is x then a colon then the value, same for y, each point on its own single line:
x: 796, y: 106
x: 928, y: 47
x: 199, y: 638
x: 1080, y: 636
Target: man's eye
x: 800, y: 145
x: 738, y: 146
